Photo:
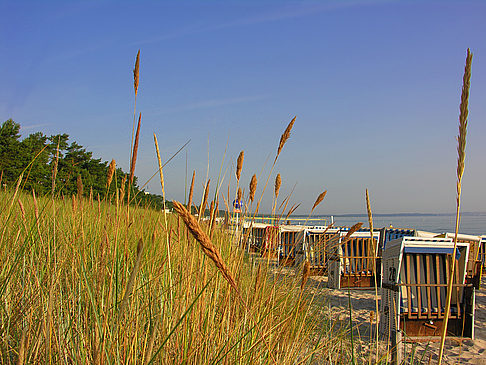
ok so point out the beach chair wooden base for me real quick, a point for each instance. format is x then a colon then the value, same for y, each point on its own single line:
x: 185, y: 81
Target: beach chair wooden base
x: 430, y: 328
x: 356, y: 281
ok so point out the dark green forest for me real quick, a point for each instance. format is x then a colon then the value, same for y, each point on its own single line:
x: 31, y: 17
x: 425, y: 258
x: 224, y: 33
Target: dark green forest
x: 35, y: 156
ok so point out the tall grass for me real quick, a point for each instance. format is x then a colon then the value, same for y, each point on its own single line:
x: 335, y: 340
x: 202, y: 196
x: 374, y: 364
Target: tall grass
x: 99, y: 291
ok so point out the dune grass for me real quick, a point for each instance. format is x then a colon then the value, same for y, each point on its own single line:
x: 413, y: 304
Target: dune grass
x: 83, y: 281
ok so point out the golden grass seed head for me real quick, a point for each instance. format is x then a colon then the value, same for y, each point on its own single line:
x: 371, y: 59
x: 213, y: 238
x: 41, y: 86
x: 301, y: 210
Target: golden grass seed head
x: 319, y: 199
x: 353, y: 229
x: 22, y: 209
x: 206, y: 245
x: 136, y: 72
x: 463, y: 108
x: 205, y: 198
x: 161, y: 174
x: 191, y: 191
x: 239, y: 195
x: 122, y: 187
x: 79, y: 184
x: 74, y: 203
x: 285, y: 136
x: 111, y: 172
x: 253, y: 185
x: 239, y: 164
x: 135, y: 150
x: 278, y: 184
x: 368, y: 208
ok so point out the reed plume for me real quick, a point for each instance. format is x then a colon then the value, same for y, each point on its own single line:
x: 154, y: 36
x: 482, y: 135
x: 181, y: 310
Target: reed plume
x: 79, y: 185
x: 239, y: 195
x: 206, y: 245
x: 461, y: 155
x: 319, y: 199
x: 239, y: 165
x: 278, y: 183
x: 136, y: 71
x: 122, y: 188
x: 111, y: 172
x: 253, y: 185
x: 211, y: 211
x: 161, y: 174
x: 74, y: 204
x: 191, y: 191
x: 368, y: 209
x: 284, y: 138
x: 135, y: 150
x: 135, y: 85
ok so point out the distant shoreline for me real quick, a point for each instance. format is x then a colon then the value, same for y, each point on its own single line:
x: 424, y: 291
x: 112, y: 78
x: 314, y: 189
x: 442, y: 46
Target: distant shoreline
x: 396, y: 215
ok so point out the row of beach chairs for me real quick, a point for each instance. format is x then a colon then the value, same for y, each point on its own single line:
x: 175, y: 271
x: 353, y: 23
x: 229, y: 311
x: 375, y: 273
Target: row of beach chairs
x: 413, y: 268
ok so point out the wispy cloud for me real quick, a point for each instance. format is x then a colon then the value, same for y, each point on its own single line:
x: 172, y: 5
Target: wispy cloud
x: 289, y: 11
x: 209, y: 103
x: 33, y: 126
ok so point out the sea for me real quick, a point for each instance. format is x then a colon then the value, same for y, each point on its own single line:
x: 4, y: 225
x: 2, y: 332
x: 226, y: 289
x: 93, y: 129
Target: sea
x: 470, y: 223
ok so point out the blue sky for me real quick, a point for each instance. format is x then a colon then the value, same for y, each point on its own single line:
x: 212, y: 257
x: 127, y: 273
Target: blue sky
x: 375, y: 86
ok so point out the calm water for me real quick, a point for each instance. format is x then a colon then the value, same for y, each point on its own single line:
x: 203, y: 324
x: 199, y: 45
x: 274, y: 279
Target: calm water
x: 471, y: 223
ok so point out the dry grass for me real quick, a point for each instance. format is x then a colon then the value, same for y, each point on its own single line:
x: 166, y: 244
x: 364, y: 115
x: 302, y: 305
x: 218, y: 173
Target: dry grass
x: 319, y: 199
x: 111, y: 172
x: 278, y: 184
x: 191, y: 191
x: 207, y: 246
x: 285, y: 137
x: 239, y: 165
x: 253, y: 186
x: 135, y: 150
x: 461, y: 152
x: 136, y: 73
x: 120, y: 284
x: 105, y: 297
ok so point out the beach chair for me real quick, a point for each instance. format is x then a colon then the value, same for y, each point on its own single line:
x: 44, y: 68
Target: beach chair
x: 270, y: 243
x: 316, y: 243
x: 474, y: 264
x: 482, y: 252
x: 291, y: 245
x: 415, y: 275
x: 352, y: 263
x: 256, y: 237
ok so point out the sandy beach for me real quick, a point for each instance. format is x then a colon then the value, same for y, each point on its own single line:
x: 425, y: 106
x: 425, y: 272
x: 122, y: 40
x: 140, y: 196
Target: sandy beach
x: 336, y: 303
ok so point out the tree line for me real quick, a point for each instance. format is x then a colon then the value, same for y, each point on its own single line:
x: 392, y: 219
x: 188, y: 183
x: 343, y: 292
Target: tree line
x: 35, y: 156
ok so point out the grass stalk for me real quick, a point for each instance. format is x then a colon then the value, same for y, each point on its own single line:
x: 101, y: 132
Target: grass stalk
x: 461, y: 150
